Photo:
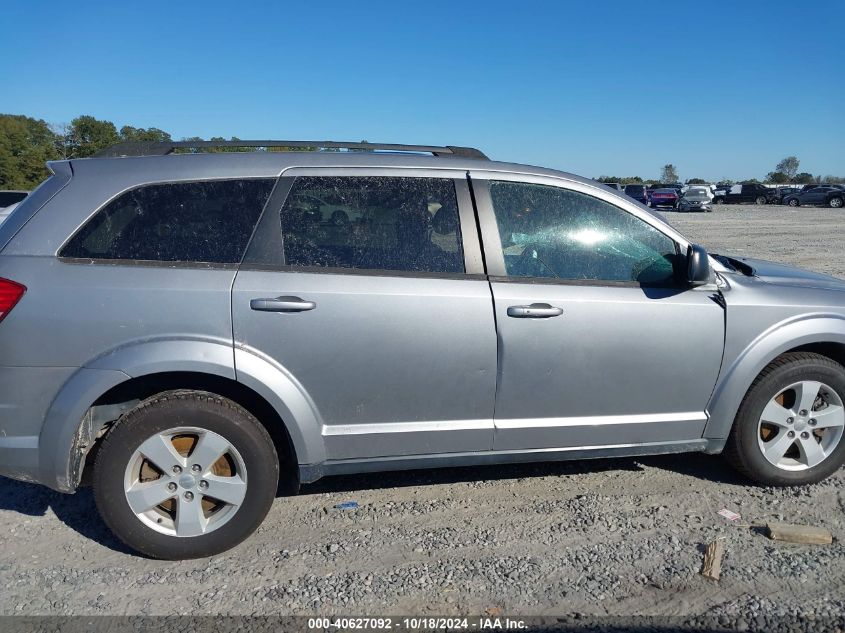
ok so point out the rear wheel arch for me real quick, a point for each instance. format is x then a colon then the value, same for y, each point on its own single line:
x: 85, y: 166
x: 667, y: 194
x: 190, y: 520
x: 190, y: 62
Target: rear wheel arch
x: 126, y: 395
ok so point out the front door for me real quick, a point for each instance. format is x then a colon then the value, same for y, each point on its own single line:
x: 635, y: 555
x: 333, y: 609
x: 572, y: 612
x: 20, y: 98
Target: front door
x: 369, y: 292
x: 599, y: 344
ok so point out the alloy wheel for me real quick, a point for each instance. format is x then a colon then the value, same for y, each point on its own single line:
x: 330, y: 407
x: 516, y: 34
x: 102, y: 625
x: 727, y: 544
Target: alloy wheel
x: 801, y: 426
x: 185, y: 481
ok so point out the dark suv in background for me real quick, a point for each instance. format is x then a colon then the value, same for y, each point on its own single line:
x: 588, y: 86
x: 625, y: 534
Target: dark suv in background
x: 752, y: 193
x: 637, y: 192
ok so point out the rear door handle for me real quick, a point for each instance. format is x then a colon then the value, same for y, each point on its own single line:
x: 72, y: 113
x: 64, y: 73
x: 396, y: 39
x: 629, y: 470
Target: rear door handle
x: 534, y: 311
x: 282, y: 304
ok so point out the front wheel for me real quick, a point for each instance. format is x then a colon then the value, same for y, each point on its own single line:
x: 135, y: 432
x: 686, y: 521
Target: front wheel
x: 788, y: 430
x: 185, y: 474
x: 835, y: 203
x: 761, y: 200
x: 793, y: 203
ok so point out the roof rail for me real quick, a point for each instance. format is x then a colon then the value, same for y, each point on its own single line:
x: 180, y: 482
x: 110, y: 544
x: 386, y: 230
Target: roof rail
x: 156, y: 148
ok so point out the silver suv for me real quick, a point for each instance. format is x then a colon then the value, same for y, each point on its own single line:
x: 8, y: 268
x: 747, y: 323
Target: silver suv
x: 189, y: 330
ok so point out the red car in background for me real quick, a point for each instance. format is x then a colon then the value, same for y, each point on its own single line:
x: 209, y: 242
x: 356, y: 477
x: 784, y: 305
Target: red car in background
x: 665, y: 198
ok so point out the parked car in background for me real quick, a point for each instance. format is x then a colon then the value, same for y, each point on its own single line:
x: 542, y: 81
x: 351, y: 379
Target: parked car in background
x: 753, y: 192
x: 678, y: 187
x: 637, y: 192
x: 615, y: 186
x: 183, y: 331
x: 782, y: 192
x: 9, y: 197
x: 666, y: 197
x: 696, y: 198
x: 824, y: 195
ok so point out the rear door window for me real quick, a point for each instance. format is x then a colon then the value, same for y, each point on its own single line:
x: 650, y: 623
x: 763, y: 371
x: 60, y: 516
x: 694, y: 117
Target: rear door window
x: 373, y: 223
x: 208, y: 221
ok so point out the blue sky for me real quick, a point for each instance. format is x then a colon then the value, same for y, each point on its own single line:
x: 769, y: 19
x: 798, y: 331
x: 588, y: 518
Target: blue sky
x: 720, y: 89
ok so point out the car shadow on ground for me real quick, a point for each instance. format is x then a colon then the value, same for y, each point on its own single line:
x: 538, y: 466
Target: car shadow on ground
x: 705, y: 467
x: 78, y: 511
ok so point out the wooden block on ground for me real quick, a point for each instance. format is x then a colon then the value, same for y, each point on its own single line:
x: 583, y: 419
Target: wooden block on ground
x: 712, y: 566
x: 799, y: 534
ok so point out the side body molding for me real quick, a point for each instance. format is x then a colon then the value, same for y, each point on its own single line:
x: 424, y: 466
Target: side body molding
x: 737, y: 377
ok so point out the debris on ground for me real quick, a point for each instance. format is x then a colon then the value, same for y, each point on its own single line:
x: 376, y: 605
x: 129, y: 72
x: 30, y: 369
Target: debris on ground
x: 799, y: 534
x: 712, y: 566
x: 728, y: 514
x: 347, y: 505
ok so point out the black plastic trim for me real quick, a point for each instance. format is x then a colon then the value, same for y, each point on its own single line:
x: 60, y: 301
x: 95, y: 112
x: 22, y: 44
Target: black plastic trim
x: 167, y: 147
x: 309, y: 473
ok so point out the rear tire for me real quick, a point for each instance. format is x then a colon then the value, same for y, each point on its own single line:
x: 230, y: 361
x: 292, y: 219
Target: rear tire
x: 752, y: 439
x: 794, y: 203
x: 170, y: 455
x: 835, y: 202
x: 761, y: 200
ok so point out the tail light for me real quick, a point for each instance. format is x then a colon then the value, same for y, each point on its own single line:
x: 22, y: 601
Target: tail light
x: 10, y: 294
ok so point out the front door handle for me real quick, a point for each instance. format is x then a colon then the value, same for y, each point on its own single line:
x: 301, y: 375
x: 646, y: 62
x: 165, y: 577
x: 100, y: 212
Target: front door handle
x: 282, y: 304
x: 534, y: 311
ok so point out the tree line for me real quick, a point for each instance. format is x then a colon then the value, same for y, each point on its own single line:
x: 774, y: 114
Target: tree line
x: 26, y: 144
x: 785, y: 173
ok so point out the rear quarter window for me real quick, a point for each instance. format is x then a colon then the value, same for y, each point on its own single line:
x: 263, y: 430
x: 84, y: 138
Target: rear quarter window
x: 208, y: 221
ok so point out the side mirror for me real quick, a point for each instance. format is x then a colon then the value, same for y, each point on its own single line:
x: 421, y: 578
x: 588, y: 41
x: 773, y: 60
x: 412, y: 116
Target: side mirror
x: 698, y: 266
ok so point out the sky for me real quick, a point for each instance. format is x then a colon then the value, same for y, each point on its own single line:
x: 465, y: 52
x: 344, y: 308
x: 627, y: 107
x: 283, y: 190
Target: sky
x: 720, y: 89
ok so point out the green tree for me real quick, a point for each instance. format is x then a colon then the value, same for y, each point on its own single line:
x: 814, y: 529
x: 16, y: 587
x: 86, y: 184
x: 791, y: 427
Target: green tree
x: 804, y: 178
x: 669, y: 173
x: 788, y: 166
x: 777, y: 177
x: 25, y: 145
x: 137, y: 134
x: 88, y: 135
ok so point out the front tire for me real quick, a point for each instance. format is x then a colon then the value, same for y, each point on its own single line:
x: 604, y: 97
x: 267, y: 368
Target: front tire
x: 185, y: 474
x: 835, y: 202
x: 794, y: 203
x: 761, y: 200
x: 789, y: 428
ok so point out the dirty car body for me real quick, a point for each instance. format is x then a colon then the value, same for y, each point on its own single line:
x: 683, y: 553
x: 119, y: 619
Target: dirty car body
x: 510, y: 314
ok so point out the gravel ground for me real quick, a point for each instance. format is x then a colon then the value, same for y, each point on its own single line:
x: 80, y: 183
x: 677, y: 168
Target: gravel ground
x: 603, y: 538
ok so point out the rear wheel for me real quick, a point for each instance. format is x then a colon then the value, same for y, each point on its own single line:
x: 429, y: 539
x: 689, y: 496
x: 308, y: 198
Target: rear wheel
x: 788, y: 430
x: 793, y: 202
x: 185, y: 474
x: 718, y: 201
x: 836, y: 202
x: 761, y: 200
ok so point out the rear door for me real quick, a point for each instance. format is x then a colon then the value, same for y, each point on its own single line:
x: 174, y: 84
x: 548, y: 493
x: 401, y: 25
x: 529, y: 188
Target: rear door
x: 367, y: 287
x: 598, y: 344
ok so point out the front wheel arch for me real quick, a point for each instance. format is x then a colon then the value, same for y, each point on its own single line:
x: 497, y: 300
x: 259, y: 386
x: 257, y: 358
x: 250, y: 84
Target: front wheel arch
x: 822, y: 334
